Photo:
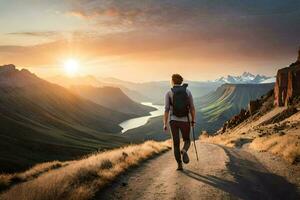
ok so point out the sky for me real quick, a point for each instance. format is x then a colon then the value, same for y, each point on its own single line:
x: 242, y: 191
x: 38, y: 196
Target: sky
x: 148, y: 40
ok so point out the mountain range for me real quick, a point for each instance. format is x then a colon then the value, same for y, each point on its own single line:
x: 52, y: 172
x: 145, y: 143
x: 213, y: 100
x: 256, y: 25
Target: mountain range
x: 154, y: 91
x: 246, y: 78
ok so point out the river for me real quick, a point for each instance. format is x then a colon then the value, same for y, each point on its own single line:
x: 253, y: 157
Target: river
x: 141, y: 121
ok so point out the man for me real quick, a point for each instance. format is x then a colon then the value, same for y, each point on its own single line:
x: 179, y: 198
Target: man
x: 180, y: 114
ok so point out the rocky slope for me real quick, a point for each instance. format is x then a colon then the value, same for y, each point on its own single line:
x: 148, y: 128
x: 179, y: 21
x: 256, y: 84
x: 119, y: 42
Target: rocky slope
x: 271, y: 123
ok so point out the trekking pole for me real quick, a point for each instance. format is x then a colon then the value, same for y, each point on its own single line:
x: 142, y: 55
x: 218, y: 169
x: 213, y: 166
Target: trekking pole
x: 195, y: 143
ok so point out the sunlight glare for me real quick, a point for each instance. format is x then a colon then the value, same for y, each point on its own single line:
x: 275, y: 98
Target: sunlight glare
x: 71, y: 66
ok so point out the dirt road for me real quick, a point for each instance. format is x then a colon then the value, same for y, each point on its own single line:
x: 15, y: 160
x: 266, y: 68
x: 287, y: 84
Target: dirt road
x: 221, y: 173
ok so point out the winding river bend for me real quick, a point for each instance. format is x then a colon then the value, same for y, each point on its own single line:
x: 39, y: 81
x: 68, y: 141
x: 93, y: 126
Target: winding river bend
x: 141, y: 121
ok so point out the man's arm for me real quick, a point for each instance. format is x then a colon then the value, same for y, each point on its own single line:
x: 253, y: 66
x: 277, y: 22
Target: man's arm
x: 192, y: 109
x: 193, y: 114
x: 167, y: 110
x: 166, y: 118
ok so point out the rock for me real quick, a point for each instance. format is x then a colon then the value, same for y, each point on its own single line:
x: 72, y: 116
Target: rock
x: 280, y: 89
x: 287, y: 85
x: 13, y: 77
x: 253, y: 106
x: 224, y: 127
x: 293, y: 89
x: 281, y: 133
x: 7, y: 68
x: 204, y: 134
x: 236, y: 120
x: 298, y: 60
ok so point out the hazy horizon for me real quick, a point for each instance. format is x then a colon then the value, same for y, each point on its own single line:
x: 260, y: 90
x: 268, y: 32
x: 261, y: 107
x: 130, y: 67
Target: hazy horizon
x: 133, y: 81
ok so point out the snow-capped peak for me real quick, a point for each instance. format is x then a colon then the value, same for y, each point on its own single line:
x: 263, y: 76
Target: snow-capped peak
x: 246, y: 77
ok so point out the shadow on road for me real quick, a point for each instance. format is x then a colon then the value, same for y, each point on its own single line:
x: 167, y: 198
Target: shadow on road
x: 252, y: 180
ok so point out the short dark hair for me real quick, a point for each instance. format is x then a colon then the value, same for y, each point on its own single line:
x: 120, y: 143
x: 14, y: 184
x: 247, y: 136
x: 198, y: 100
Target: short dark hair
x: 177, y: 79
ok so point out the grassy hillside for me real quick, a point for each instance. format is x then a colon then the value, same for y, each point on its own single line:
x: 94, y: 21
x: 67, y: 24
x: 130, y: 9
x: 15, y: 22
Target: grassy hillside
x: 219, y: 106
x: 41, y: 121
x: 79, y: 179
x: 113, y: 98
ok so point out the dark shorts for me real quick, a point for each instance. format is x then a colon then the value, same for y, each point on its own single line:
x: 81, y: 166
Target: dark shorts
x: 183, y: 127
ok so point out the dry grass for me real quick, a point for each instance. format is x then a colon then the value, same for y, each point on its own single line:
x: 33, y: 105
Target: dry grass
x: 228, y: 140
x: 83, y: 178
x: 6, y: 180
x: 282, y: 139
x: 287, y: 146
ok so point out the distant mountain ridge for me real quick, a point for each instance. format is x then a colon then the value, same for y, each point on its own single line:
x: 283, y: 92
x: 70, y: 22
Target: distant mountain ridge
x: 154, y: 91
x: 67, y: 81
x: 113, y: 98
x: 245, y: 78
x: 92, y: 81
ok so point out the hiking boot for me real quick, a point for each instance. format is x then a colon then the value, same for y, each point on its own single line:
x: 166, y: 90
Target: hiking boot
x: 180, y: 168
x: 185, y: 157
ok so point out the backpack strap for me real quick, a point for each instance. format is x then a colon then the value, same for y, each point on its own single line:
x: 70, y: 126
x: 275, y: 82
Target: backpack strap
x: 170, y: 99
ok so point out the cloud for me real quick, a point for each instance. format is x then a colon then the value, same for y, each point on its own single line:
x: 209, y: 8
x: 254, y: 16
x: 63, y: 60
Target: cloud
x: 107, y: 12
x: 79, y: 14
x: 200, y: 32
x: 157, y: 12
x: 37, y: 34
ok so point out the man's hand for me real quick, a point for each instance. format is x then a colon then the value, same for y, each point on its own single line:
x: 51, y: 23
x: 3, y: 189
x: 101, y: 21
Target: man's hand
x: 193, y: 123
x: 165, y: 120
x: 165, y: 127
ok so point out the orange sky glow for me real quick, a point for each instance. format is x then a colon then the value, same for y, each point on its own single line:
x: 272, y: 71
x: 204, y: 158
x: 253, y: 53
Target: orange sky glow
x: 150, y: 40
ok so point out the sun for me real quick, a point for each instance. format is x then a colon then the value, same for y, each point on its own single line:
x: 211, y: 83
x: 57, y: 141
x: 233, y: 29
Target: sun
x: 71, y: 66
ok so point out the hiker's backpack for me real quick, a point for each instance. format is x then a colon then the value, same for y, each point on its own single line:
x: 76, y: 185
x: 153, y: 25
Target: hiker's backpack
x: 180, y: 103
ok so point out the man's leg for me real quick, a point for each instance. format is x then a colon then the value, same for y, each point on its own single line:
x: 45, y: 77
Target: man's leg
x: 185, y: 129
x: 176, y: 140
